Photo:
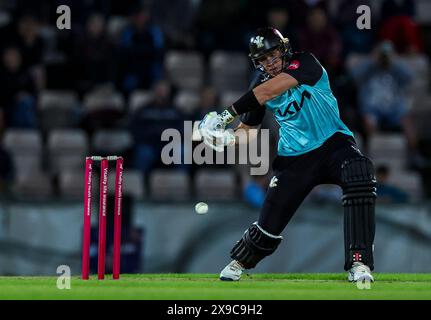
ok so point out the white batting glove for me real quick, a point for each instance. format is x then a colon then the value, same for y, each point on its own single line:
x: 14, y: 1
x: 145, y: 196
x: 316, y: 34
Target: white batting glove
x: 218, y: 140
x: 212, y: 130
x: 212, y: 121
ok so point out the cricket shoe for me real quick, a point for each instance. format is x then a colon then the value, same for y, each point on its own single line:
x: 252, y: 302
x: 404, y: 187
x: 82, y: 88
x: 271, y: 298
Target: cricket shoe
x: 360, y: 272
x: 232, y: 272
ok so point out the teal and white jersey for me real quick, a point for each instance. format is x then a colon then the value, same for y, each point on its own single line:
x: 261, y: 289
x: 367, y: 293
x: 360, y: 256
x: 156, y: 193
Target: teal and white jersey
x: 308, y: 113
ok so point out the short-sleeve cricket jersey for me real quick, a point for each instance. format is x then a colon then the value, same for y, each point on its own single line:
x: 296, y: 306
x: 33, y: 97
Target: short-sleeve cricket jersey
x: 308, y: 113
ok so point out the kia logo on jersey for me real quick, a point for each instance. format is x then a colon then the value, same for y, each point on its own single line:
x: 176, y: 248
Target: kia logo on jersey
x: 294, y: 65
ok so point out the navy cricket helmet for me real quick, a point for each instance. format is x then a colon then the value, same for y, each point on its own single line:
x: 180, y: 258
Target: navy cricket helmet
x: 268, y: 39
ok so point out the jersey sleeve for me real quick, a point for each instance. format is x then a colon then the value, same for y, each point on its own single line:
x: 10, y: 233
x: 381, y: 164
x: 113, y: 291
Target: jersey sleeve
x: 254, y: 118
x: 305, y: 68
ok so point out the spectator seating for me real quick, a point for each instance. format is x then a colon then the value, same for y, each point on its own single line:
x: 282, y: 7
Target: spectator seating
x: 58, y: 109
x: 133, y: 183
x: 71, y: 184
x: 228, y: 97
x: 423, y: 12
x: 229, y: 71
x: 115, y: 26
x: 419, y: 66
x: 103, y: 108
x: 187, y: 101
x: 111, y: 142
x: 102, y: 100
x: 25, y: 147
x: 421, y: 115
x: 355, y: 59
x: 213, y: 184
x: 170, y: 184
x: 185, y: 69
x: 33, y: 186
x: 422, y: 102
x: 49, y: 35
x: 408, y: 181
x: 390, y: 149
x: 67, y: 149
x: 139, y: 98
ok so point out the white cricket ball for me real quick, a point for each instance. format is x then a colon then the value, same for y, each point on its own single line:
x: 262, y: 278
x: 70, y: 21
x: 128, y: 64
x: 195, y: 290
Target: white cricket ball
x: 201, y: 208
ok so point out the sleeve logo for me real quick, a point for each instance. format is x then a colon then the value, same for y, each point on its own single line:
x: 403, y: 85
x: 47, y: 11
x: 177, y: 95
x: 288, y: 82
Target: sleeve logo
x: 294, y: 65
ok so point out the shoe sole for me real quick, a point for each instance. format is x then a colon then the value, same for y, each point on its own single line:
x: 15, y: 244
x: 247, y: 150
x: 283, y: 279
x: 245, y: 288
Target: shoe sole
x: 227, y: 279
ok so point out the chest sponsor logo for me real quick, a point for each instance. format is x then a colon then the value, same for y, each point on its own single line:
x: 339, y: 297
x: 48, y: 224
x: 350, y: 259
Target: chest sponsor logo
x: 294, y: 106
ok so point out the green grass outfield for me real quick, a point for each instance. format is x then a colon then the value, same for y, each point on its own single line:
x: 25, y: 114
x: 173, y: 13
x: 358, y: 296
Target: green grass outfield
x: 207, y: 286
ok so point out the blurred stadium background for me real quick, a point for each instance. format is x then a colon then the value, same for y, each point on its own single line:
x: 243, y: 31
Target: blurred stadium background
x: 127, y: 70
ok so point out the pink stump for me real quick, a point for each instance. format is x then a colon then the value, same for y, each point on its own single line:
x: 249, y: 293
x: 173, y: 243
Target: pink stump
x: 102, y: 217
x: 117, y: 218
x: 87, y: 219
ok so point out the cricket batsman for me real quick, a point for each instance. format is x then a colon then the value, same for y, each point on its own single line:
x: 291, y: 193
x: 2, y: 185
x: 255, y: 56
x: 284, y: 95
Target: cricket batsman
x: 315, y: 147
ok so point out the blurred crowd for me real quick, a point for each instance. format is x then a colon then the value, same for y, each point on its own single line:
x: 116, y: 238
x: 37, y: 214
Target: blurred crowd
x: 127, y: 66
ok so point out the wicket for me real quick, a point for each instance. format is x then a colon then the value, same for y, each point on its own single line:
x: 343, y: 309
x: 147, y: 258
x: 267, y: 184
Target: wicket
x: 104, y: 170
